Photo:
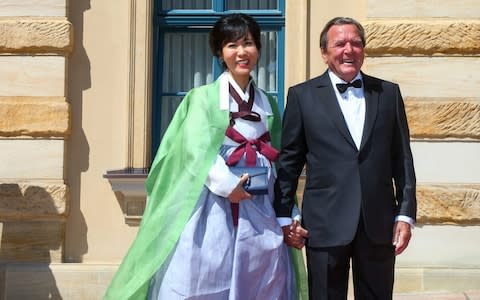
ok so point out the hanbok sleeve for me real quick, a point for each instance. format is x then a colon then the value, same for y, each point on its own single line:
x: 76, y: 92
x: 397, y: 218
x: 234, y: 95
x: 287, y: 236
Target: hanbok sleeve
x: 220, y: 180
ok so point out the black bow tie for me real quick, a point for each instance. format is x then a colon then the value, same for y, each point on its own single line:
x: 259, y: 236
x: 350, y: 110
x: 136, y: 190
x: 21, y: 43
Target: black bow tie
x: 342, y: 87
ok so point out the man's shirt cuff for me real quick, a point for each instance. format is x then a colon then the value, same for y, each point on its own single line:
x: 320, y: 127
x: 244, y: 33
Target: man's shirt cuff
x: 406, y: 219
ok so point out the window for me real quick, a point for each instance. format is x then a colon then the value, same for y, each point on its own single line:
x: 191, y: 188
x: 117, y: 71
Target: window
x: 182, y: 58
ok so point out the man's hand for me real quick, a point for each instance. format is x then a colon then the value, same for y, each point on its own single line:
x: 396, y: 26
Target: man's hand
x: 401, y: 236
x: 294, y: 235
x: 239, y: 192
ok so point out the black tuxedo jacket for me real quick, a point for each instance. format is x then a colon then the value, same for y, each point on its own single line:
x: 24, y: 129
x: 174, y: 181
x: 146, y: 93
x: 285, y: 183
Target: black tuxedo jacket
x: 378, y: 180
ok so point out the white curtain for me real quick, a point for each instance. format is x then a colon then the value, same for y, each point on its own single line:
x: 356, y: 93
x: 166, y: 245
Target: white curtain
x: 187, y: 61
x: 186, y: 4
x: 231, y: 4
x: 265, y: 74
x: 252, y: 4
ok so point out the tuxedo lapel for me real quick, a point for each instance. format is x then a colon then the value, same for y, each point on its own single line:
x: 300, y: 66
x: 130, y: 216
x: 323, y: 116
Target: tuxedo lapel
x: 329, y: 104
x: 371, y: 93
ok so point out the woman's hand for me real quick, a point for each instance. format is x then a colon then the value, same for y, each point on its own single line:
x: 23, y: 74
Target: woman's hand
x: 238, y: 194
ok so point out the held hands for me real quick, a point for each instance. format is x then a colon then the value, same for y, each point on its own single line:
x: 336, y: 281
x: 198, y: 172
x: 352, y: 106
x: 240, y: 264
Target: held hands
x: 294, y: 235
x: 239, y: 192
x: 401, y: 236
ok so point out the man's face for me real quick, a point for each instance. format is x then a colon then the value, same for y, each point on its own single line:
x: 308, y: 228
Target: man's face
x: 344, y: 54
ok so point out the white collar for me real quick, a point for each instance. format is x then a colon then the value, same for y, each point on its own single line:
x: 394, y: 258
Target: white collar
x: 243, y: 95
x: 226, y: 78
x: 335, y: 79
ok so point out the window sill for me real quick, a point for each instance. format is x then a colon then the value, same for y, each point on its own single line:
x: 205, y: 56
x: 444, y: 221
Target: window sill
x: 129, y: 187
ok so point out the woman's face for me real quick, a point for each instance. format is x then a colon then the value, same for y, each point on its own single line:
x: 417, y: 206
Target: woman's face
x: 240, y: 57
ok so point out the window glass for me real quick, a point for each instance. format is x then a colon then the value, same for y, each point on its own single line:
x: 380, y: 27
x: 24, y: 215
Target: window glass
x: 186, y: 4
x: 187, y: 61
x: 252, y: 4
x: 265, y: 74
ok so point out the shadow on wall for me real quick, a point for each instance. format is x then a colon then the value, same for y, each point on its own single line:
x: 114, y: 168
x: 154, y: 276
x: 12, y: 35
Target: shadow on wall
x: 32, y: 234
x: 77, y: 148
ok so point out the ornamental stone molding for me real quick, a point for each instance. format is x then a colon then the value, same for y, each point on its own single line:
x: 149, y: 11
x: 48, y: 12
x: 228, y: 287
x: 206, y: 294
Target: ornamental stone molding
x: 442, y: 119
x: 422, y: 37
x: 34, y: 117
x: 36, y: 35
x: 33, y: 201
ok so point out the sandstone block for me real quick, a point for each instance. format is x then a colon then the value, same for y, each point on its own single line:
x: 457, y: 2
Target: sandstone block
x: 31, y: 159
x: 27, y: 201
x: 429, y: 77
x: 10, y: 8
x: 423, y: 9
x: 32, y: 241
x: 37, y: 76
x: 446, y: 162
x: 36, y: 35
x: 448, y: 204
x: 33, y: 217
x: 34, y: 116
x: 423, y: 37
x: 443, y: 119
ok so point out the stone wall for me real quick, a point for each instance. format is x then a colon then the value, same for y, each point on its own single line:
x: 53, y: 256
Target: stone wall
x: 437, y: 117
x: 35, y: 42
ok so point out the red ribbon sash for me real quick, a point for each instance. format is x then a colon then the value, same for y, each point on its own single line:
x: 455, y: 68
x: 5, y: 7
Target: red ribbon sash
x: 249, y: 148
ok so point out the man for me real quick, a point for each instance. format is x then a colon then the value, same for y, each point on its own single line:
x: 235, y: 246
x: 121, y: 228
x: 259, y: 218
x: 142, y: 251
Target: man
x: 359, y: 199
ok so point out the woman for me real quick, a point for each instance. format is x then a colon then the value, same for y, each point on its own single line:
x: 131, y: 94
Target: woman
x: 203, y: 236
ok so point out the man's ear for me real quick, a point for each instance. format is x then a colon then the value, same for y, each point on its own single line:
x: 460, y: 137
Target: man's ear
x: 324, y: 55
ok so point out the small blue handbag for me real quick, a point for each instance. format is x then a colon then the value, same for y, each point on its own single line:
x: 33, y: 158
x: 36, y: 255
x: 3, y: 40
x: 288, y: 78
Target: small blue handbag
x: 257, y: 183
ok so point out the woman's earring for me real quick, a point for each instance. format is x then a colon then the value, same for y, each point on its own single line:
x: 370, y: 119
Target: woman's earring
x: 222, y: 63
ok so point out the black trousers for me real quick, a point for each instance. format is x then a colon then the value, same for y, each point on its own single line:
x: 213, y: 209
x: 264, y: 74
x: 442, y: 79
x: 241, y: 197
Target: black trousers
x: 372, y: 268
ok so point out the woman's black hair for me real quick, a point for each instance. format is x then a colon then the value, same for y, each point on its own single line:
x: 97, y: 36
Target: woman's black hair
x: 231, y: 28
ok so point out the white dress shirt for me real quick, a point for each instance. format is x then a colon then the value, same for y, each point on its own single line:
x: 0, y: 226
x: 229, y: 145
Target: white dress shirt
x: 352, y: 104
